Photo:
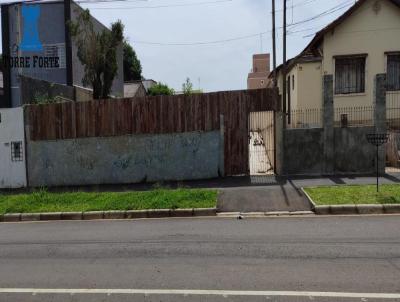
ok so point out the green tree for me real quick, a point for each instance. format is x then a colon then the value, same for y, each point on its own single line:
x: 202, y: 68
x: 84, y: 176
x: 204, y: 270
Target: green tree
x: 187, y: 87
x: 132, y: 66
x: 97, y: 52
x: 160, y: 89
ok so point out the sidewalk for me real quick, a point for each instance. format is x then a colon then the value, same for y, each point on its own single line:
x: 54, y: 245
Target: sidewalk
x: 269, y: 193
x: 251, y: 193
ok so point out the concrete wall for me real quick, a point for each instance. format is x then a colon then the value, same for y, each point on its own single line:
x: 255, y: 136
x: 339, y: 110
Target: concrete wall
x: 125, y: 159
x: 352, y: 152
x: 303, y: 151
x: 33, y: 89
x: 83, y: 94
x: 12, y: 173
x: 117, y: 88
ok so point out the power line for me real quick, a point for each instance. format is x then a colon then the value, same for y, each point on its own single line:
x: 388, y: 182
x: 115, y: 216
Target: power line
x: 202, y: 43
x: 323, y: 14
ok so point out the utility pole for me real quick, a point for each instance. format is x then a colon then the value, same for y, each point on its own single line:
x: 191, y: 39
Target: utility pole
x: 274, y: 43
x: 284, y: 64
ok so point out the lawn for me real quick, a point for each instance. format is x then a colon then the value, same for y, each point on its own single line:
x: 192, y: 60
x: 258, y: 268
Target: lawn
x: 44, y: 201
x: 366, y: 194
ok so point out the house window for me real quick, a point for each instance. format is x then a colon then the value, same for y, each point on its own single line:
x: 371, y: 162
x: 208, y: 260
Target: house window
x: 292, y: 82
x: 393, y: 72
x: 350, y: 75
x: 16, y: 151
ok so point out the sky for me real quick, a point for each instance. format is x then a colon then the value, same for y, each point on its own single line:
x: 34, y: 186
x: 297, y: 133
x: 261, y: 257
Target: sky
x: 212, y: 41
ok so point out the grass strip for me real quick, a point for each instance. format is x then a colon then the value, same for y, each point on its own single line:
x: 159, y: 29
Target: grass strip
x: 42, y: 201
x: 358, y: 194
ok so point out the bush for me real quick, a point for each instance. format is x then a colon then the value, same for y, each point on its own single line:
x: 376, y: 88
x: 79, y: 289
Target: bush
x: 160, y: 89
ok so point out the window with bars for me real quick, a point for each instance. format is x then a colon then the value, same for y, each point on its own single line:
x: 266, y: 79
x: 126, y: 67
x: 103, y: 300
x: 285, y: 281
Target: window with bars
x: 350, y: 75
x: 393, y: 72
x: 16, y: 151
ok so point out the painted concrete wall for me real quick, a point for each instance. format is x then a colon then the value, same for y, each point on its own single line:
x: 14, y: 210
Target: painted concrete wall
x: 309, y: 81
x: 125, y: 159
x: 293, y: 89
x: 307, y: 90
x: 12, y: 173
x: 373, y: 29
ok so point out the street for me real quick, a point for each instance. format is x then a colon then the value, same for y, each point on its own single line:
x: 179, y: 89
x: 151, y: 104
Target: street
x: 354, y: 258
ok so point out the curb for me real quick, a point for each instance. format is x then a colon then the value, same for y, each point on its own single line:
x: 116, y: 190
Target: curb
x: 96, y: 215
x: 264, y: 214
x: 353, y: 209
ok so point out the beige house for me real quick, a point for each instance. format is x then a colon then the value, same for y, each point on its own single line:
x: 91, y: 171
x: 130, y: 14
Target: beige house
x: 363, y: 42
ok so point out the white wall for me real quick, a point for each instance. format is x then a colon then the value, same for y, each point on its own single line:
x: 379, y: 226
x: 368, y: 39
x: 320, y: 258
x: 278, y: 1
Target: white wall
x: 12, y: 173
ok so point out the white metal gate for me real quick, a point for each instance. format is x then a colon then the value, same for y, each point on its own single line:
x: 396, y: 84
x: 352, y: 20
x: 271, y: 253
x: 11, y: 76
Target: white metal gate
x: 261, y: 143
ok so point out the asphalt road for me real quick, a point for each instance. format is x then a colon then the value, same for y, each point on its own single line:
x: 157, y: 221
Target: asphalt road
x: 215, y: 259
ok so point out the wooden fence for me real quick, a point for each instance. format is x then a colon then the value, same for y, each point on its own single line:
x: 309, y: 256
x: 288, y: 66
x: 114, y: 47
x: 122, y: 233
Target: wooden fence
x: 156, y: 115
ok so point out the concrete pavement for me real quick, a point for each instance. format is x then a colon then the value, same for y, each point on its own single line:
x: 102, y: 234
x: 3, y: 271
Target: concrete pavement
x: 359, y: 255
x: 270, y: 193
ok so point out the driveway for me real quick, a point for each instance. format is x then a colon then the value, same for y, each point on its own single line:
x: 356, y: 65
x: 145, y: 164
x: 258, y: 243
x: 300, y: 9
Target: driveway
x: 271, y: 193
x: 281, y: 195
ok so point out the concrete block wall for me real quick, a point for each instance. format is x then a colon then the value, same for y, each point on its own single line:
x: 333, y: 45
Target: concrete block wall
x: 304, y: 151
x: 331, y: 150
x: 352, y: 152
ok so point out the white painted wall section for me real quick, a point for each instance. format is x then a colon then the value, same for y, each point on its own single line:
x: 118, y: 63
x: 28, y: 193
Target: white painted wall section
x: 12, y: 148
